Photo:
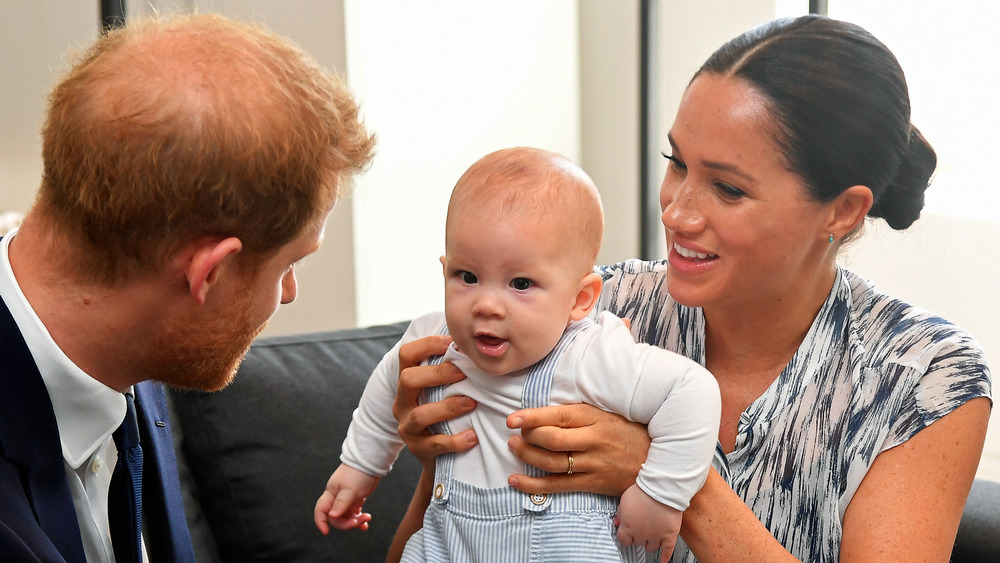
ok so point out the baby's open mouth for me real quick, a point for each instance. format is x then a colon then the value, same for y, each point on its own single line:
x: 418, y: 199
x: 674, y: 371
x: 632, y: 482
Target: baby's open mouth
x: 491, y: 345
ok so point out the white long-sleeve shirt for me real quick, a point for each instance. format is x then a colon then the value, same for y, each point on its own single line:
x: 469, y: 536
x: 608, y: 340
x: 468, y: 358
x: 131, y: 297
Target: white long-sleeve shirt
x: 603, y: 366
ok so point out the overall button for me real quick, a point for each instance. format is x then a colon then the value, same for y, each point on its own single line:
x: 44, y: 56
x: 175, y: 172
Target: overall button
x: 538, y: 500
x: 439, y: 491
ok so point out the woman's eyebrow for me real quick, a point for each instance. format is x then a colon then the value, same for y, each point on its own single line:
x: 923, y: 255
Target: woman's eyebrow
x: 721, y: 166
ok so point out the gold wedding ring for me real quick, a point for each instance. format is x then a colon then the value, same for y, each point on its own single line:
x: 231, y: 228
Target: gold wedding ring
x: 569, y: 459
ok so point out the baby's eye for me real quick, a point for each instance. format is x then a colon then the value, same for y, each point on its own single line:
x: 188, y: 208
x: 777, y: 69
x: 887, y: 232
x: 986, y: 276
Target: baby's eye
x: 468, y: 277
x: 521, y: 284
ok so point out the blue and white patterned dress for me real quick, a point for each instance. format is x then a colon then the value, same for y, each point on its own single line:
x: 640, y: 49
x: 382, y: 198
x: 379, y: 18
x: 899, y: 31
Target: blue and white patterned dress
x: 871, y: 373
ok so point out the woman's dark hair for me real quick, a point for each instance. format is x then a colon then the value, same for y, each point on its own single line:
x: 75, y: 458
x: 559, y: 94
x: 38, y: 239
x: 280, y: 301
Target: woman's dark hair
x: 841, y: 107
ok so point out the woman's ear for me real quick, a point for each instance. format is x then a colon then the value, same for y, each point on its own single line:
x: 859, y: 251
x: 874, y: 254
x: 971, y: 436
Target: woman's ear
x: 205, y: 264
x: 849, y: 209
x: 586, y: 297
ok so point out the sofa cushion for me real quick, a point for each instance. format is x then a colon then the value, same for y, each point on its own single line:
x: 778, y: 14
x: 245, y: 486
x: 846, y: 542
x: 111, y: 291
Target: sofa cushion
x: 979, y: 533
x: 260, y: 451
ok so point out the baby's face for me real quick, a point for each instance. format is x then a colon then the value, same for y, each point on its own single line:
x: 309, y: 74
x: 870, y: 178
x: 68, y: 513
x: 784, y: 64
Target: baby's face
x: 509, y: 289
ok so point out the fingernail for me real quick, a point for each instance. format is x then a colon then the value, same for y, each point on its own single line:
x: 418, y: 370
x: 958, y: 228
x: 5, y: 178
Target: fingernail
x: 471, y: 437
x: 466, y: 402
x: 516, y: 422
x: 512, y: 481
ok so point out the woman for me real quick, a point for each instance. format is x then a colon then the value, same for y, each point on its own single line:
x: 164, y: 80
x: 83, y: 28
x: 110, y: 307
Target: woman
x: 852, y: 423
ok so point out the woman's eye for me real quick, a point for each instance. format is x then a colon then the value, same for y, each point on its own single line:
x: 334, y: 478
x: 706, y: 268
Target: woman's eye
x: 468, y: 277
x: 674, y: 161
x: 729, y: 190
x: 521, y: 284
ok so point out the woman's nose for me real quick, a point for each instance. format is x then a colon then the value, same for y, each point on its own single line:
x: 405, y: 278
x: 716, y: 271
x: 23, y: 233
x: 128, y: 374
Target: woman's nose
x: 679, y: 203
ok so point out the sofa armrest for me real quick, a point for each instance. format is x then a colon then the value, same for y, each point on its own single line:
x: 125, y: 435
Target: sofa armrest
x: 979, y: 533
x: 260, y: 451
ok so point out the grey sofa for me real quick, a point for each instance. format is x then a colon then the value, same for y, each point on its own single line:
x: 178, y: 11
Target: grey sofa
x: 255, y: 456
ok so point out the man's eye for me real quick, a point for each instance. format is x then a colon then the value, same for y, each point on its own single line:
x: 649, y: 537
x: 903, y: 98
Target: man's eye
x: 521, y: 284
x: 468, y: 277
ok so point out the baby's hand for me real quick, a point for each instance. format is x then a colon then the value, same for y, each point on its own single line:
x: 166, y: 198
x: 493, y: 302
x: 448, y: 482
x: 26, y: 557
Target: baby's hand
x: 340, y: 504
x: 644, y: 521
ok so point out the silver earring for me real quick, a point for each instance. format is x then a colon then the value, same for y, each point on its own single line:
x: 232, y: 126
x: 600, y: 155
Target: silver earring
x: 831, y: 237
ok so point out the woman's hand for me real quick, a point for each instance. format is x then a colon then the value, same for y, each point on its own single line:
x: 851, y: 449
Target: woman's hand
x: 415, y: 419
x: 607, y: 449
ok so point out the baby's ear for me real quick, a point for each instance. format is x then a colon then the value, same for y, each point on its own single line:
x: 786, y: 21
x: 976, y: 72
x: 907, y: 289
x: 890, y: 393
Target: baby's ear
x: 586, y: 297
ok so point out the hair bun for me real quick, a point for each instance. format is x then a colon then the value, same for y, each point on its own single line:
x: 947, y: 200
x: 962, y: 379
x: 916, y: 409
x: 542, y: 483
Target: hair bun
x: 903, y: 199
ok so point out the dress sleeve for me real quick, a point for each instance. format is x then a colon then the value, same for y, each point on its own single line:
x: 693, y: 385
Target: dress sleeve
x: 955, y: 372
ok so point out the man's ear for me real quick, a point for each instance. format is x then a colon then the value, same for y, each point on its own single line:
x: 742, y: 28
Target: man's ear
x: 586, y: 297
x: 202, y: 269
x: 849, y: 209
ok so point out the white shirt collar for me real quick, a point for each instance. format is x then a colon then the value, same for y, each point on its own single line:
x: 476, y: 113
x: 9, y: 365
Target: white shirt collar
x: 86, y: 410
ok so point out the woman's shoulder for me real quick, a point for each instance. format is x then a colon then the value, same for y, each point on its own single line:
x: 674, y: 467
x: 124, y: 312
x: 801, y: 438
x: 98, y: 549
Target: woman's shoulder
x: 934, y: 364
x: 893, y: 330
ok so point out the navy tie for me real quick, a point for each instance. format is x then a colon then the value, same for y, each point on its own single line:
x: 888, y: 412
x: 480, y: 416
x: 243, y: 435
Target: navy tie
x: 125, y: 494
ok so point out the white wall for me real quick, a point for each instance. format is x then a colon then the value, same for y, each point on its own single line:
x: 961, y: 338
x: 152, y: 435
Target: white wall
x: 443, y: 84
x: 33, y: 38
x: 609, y: 118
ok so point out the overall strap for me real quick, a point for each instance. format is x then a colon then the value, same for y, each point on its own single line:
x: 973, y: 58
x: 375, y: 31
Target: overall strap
x: 444, y: 463
x: 537, y: 388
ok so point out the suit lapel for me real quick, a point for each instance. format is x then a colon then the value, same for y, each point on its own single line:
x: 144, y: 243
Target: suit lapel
x: 30, y: 439
x: 168, y: 538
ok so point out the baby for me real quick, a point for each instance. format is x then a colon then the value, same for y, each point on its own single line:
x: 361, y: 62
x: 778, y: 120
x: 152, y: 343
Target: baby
x: 523, y: 230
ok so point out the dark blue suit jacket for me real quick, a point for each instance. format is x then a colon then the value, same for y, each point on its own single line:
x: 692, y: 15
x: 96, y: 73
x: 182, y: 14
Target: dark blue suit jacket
x: 37, y: 516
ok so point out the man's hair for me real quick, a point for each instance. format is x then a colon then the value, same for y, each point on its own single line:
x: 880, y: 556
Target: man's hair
x: 526, y: 182
x: 174, y: 128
